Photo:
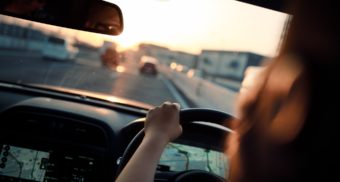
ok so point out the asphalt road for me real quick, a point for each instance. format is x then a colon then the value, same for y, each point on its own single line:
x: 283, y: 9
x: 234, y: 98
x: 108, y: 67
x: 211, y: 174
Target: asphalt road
x: 30, y: 69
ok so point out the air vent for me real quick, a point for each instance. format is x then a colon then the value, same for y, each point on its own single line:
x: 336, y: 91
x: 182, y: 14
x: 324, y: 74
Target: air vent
x: 46, y: 125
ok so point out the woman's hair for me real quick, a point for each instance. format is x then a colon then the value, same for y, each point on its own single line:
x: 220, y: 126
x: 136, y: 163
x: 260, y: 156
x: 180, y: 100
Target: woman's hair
x: 287, y: 132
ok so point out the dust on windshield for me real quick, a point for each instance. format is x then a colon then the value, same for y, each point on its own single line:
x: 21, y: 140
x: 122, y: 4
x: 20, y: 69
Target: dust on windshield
x: 197, y: 59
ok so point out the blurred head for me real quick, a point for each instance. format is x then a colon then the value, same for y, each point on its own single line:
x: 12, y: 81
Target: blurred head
x: 287, y: 119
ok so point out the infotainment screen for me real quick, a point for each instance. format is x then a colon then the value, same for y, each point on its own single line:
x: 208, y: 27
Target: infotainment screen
x: 23, y: 163
x: 33, y: 165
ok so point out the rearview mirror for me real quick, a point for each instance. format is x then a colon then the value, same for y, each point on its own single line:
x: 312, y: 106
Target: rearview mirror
x: 89, y: 15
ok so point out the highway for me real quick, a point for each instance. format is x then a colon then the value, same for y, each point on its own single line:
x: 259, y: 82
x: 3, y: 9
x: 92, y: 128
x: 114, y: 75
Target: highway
x: 22, y: 67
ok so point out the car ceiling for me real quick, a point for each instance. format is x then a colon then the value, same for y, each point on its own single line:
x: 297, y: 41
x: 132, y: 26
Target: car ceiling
x: 277, y: 5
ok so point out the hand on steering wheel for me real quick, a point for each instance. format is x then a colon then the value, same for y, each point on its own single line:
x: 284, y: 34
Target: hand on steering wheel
x: 186, y: 116
x: 163, y: 122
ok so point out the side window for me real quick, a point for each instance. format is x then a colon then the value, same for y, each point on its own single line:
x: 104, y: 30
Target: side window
x: 207, y: 61
x: 56, y: 40
x: 233, y: 64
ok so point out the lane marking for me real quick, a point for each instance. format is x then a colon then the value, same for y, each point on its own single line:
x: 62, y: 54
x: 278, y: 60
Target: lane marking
x: 174, y: 92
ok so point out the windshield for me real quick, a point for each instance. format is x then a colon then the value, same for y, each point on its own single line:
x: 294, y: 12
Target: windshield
x: 198, y: 52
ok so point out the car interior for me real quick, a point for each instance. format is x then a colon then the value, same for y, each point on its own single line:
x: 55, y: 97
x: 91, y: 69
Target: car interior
x: 57, y: 132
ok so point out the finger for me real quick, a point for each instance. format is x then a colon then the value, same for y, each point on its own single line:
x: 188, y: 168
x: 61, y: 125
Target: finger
x: 167, y: 103
x: 152, y: 110
x: 164, y: 104
x: 180, y: 129
x: 178, y: 106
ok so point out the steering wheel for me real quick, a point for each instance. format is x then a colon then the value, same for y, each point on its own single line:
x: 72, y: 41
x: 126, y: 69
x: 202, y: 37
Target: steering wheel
x: 187, y: 116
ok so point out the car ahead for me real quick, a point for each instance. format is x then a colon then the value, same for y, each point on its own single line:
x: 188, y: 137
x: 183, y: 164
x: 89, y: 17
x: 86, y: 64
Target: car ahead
x: 63, y: 121
x: 110, y: 58
x: 148, y: 65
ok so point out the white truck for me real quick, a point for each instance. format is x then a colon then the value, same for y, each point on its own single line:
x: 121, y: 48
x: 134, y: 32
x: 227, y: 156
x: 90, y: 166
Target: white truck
x: 59, y: 49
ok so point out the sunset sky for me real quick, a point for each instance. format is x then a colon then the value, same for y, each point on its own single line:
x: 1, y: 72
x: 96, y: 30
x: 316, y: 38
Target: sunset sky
x: 193, y: 25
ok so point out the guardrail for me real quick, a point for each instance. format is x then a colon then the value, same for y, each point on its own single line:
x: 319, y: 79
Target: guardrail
x: 14, y: 47
x: 201, y: 92
x: 14, y: 43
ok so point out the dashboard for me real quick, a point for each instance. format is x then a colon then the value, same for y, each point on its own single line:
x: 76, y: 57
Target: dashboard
x: 50, y: 137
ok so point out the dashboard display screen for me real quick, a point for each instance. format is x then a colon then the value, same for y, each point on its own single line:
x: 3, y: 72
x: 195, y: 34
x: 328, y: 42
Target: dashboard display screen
x: 32, y: 165
x: 179, y: 157
x: 23, y: 163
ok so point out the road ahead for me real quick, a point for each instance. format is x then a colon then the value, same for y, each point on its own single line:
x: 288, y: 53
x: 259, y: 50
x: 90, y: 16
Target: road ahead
x: 21, y: 68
